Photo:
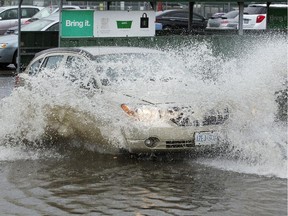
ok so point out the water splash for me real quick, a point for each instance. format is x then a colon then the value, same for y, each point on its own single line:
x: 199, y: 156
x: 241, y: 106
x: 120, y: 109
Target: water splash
x: 51, y: 108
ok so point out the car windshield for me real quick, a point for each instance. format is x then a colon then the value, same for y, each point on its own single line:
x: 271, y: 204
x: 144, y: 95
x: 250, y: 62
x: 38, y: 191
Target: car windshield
x: 37, y: 25
x: 44, y: 12
x: 116, y: 68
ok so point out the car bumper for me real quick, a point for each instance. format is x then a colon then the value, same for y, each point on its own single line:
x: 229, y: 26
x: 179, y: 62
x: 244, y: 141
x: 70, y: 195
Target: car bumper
x: 221, y: 28
x: 169, y: 139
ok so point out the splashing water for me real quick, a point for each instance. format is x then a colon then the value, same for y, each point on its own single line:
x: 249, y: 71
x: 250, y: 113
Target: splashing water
x: 50, y: 104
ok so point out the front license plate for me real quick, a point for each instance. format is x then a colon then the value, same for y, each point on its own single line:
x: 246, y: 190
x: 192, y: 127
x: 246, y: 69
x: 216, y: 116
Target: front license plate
x: 206, y: 138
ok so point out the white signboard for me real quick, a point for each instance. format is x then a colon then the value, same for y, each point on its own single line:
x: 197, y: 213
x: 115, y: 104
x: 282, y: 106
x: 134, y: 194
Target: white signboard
x: 124, y: 23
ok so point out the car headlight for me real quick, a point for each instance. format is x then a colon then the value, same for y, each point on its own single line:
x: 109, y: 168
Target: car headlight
x: 146, y: 113
x: 3, y: 45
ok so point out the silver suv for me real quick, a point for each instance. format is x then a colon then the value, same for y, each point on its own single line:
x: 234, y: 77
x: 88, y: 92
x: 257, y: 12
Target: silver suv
x: 9, y: 16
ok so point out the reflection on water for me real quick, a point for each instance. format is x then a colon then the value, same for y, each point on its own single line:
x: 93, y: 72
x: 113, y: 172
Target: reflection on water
x: 96, y: 184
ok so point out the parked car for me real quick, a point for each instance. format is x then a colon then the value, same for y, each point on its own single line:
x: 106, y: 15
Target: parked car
x: 9, y: 16
x: 173, y: 5
x: 47, y: 11
x: 255, y: 15
x: 171, y: 121
x: 226, y: 21
x: 178, y: 19
x: 254, y: 18
x: 9, y: 43
x: 216, y: 15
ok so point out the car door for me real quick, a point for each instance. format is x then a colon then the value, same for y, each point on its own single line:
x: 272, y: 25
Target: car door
x: 180, y: 19
x: 80, y: 69
x: 34, y: 67
x: 199, y: 22
x: 27, y: 13
x: 8, y: 18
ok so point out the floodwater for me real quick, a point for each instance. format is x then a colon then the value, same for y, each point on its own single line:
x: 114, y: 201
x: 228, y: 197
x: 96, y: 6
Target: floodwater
x: 68, y: 177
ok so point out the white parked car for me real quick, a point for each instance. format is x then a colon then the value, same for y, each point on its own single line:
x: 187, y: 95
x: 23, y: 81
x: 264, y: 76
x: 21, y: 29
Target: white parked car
x: 9, y: 42
x: 152, y: 119
x: 230, y: 20
x: 9, y: 16
x: 47, y: 11
x: 254, y: 18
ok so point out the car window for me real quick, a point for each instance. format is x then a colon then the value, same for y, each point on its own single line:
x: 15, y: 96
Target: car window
x: 197, y: 17
x: 24, y: 13
x: 180, y: 14
x: 176, y: 14
x: 28, y: 12
x: 9, y: 14
x: 44, y: 13
x: 34, y: 68
x: 37, y: 25
x: 52, y: 62
x: 75, y: 63
x: 77, y: 71
x: 255, y: 10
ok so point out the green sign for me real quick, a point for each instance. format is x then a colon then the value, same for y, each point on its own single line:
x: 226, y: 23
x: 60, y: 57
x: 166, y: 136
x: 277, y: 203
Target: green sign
x: 124, y: 24
x: 77, y: 23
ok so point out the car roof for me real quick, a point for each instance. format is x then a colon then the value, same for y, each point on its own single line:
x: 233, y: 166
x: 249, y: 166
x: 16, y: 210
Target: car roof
x: 170, y: 10
x: 159, y: 13
x: 22, y: 6
x: 271, y: 5
x: 94, y: 51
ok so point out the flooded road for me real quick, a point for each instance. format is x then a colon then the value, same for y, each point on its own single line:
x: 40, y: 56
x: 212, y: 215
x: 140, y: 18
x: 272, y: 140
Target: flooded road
x: 6, y: 85
x: 65, y: 177
x: 86, y: 183
x: 65, y: 180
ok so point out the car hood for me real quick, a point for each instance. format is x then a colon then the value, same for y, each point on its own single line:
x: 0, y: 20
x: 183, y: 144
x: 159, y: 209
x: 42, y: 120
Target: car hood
x: 155, y: 96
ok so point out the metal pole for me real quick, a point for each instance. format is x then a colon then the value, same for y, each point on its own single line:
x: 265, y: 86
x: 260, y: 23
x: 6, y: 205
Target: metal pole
x: 267, y: 15
x: 240, y: 22
x: 190, y: 17
x: 19, y: 37
x: 60, y: 22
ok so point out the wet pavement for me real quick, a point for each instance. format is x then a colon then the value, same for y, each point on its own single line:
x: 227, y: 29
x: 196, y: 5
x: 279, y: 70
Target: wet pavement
x: 8, y: 71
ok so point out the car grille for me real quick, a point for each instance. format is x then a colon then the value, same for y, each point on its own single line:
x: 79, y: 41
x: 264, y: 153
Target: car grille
x: 179, y: 144
x: 212, y: 117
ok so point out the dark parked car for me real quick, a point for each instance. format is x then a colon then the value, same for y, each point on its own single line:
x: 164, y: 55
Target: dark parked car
x: 178, y: 19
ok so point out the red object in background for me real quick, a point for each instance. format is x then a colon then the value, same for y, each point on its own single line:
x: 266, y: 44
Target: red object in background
x: 159, y: 6
x: 260, y: 18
